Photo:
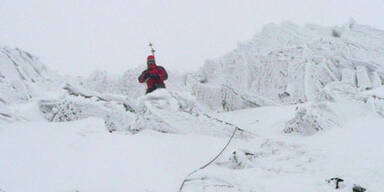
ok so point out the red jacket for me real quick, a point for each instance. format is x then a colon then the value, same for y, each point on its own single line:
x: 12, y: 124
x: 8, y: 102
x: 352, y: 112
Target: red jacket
x: 154, y: 75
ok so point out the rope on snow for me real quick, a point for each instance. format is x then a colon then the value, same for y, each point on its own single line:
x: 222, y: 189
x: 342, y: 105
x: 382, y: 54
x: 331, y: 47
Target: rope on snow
x: 217, y: 156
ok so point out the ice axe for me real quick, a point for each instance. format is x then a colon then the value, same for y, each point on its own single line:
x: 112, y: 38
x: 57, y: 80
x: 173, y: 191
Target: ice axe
x: 152, y: 49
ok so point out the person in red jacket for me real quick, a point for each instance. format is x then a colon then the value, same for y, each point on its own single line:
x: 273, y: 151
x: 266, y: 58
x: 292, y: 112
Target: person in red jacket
x: 154, y: 75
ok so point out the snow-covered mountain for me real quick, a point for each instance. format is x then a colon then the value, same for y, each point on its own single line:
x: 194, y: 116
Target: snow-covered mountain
x: 306, y: 104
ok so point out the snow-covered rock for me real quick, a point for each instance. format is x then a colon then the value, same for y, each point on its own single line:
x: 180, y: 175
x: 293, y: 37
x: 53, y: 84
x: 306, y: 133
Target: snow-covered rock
x: 311, y: 119
x: 291, y: 64
x: 21, y: 76
x: 175, y: 112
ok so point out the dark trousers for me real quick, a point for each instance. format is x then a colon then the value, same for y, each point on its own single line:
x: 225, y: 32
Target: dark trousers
x: 154, y: 87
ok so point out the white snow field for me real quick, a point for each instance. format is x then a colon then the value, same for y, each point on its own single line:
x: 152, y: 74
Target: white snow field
x: 307, y: 103
x: 82, y: 155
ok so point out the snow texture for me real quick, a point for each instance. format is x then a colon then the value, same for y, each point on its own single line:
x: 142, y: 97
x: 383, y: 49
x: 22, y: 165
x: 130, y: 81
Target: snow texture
x: 303, y: 98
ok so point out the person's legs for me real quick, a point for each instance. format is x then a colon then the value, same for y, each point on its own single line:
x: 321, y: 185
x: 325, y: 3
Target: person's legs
x: 149, y: 90
x: 160, y: 85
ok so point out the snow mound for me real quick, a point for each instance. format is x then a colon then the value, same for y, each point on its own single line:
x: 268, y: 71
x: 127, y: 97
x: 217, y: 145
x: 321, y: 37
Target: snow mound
x: 343, y: 103
x: 175, y: 112
x: 117, y: 113
x: 311, y: 119
x: 163, y: 111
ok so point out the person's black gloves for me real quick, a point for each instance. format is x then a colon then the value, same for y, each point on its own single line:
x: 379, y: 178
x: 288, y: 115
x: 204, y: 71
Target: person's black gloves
x: 151, y: 76
x: 146, y: 76
x: 154, y: 76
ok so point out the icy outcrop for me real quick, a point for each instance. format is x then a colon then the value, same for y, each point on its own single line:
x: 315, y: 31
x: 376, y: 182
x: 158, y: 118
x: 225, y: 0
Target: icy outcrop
x: 71, y: 108
x: 343, y: 102
x: 162, y: 110
x: 175, y: 112
x: 292, y: 64
x: 21, y: 75
x: 118, y: 113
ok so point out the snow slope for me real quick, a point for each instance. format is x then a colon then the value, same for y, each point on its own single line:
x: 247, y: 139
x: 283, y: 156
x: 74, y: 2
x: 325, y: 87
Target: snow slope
x: 81, y: 155
x: 280, y: 162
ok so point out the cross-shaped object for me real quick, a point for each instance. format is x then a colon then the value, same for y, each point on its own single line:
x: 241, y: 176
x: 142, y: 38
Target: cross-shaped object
x: 152, y: 50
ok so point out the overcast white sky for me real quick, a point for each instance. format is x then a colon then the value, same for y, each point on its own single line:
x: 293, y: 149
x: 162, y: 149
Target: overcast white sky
x: 79, y: 36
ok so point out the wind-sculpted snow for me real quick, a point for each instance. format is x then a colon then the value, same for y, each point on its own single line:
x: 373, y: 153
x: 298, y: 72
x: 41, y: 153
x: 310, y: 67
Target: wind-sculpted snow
x: 22, y: 77
x: 99, y: 96
x: 292, y: 64
x: 174, y: 112
x: 78, y: 103
x: 283, y: 64
x: 70, y: 108
x: 311, y: 119
x: 163, y: 111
